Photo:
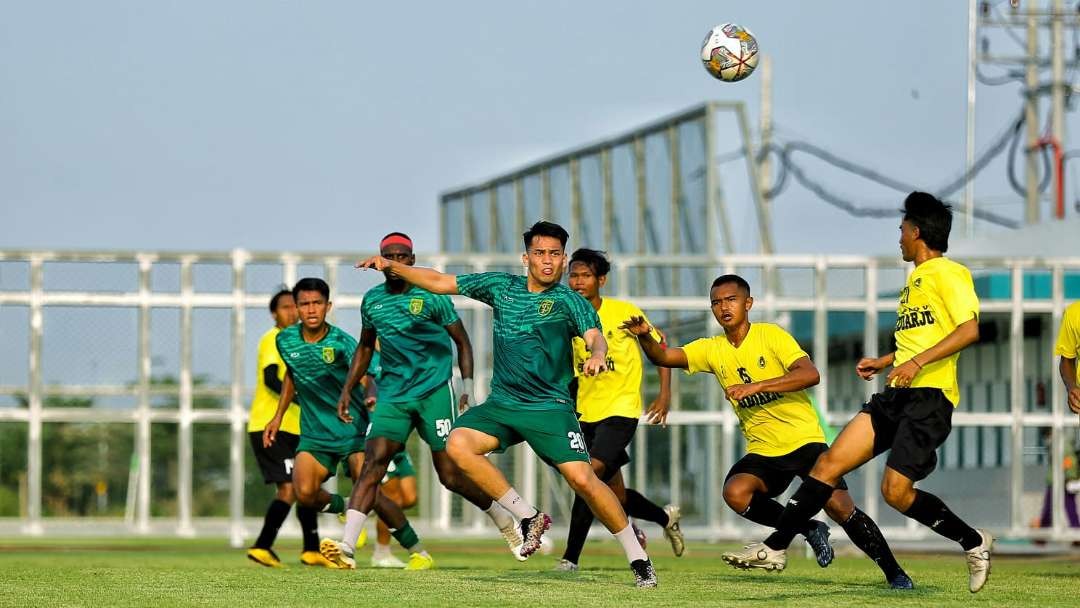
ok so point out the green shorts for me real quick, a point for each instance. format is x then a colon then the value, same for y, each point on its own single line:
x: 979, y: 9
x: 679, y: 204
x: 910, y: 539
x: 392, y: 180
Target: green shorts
x: 331, y: 454
x: 553, y: 433
x: 400, y: 466
x: 432, y: 415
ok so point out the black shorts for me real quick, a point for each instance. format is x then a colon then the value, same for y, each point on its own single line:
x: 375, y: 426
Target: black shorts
x: 778, y: 471
x: 608, y: 439
x: 910, y: 423
x: 276, y: 461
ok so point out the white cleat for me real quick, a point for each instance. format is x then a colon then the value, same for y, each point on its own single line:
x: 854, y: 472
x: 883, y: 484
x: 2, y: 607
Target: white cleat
x: 386, y: 561
x: 565, y: 565
x: 672, y: 532
x: 978, y: 562
x: 512, y: 535
x: 757, y: 555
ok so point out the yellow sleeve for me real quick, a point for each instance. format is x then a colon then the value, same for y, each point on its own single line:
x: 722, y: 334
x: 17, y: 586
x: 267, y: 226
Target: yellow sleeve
x: 268, y: 354
x: 697, y: 356
x: 785, y: 347
x: 1068, y: 342
x: 958, y: 293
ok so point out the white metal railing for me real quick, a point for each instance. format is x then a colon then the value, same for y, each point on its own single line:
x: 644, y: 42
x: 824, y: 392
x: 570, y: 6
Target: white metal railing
x: 719, y: 421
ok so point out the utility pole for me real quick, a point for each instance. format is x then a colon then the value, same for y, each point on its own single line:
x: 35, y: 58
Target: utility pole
x: 764, y: 169
x: 969, y: 132
x: 1031, y: 119
x: 1057, y: 99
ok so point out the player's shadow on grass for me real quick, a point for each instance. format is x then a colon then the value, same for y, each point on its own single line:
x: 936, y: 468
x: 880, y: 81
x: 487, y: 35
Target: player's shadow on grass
x: 810, y: 586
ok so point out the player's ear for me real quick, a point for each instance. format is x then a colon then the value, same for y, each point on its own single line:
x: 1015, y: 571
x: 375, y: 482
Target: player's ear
x: 749, y: 303
x: 329, y: 305
x: 602, y: 281
x: 525, y: 259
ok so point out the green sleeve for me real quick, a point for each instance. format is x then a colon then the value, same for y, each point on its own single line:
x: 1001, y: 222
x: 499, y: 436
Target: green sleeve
x: 481, y: 286
x: 582, y: 314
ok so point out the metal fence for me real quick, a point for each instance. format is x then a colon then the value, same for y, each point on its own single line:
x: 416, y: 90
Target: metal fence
x: 133, y: 409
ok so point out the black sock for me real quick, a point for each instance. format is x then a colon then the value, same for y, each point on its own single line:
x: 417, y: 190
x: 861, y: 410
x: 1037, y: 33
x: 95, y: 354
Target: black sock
x: 581, y: 518
x: 275, y: 515
x: 309, y: 527
x: 807, y: 501
x: 866, y: 535
x: 929, y: 511
x: 642, y: 508
x: 763, y: 510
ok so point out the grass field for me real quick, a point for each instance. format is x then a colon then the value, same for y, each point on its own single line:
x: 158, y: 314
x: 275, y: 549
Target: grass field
x: 205, y: 573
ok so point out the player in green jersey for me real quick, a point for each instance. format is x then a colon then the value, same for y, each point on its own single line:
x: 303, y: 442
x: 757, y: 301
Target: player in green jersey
x: 317, y: 357
x: 412, y: 326
x: 535, y: 319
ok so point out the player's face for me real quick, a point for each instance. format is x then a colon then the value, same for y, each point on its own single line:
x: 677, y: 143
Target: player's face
x: 313, y: 308
x: 730, y: 305
x: 908, y: 235
x: 545, y: 260
x: 285, y: 314
x: 584, y: 281
x: 398, y: 253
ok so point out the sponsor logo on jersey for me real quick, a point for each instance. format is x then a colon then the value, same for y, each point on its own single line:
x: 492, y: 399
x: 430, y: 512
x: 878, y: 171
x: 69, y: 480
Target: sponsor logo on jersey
x: 545, y: 307
x: 761, y: 362
x: 328, y: 354
x: 918, y: 281
x: 416, y: 305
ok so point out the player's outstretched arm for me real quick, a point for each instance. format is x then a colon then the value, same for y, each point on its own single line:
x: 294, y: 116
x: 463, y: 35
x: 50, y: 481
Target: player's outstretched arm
x: 597, y: 346
x: 1067, y: 369
x: 659, y: 354
x: 801, y: 375
x: 365, y: 348
x: 424, y: 278
x: 965, y: 334
x: 288, y: 393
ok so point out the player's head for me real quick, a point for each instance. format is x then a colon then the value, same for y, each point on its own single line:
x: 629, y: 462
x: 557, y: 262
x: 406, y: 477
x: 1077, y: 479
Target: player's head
x: 588, y: 272
x: 312, y: 297
x: 545, y: 252
x: 397, y: 246
x: 283, y: 308
x: 926, y: 219
x: 730, y: 300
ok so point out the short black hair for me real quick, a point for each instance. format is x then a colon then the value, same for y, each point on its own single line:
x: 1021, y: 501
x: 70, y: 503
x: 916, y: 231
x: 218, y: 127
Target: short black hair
x: 282, y: 291
x: 724, y: 279
x: 311, y: 284
x: 543, y: 228
x: 596, y: 261
x: 932, y: 217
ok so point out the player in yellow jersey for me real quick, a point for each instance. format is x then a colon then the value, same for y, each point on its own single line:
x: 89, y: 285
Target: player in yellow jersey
x: 1068, y: 349
x: 937, y: 317
x: 276, y: 461
x: 608, y: 407
x: 765, y: 374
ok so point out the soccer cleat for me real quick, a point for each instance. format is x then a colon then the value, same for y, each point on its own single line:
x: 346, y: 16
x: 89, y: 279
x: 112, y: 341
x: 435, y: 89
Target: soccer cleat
x: 901, y: 581
x: 420, y: 561
x: 565, y: 565
x: 818, y: 539
x: 336, y: 554
x: 757, y: 555
x: 532, y: 529
x: 640, y: 534
x: 386, y: 561
x: 362, y: 539
x: 314, y: 558
x: 644, y: 573
x: 513, y: 540
x: 672, y: 532
x: 264, y: 557
x: 978, y: 562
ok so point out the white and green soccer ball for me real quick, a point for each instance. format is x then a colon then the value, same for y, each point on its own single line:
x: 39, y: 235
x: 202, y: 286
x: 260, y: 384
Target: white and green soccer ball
x: 730, y: 52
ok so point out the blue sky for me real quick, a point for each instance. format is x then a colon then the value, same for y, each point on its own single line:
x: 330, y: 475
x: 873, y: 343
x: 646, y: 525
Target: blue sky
x: 323, y: 125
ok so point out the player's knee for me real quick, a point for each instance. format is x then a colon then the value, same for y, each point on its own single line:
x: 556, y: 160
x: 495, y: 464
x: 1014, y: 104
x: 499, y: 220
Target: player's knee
x: 839, y: 511
x: 457, y: 447
x: 285, y: 493
x: 307, y: 497
x: 736, y: 497
x: 827, y: 467
x: 897, y: 495
x: 450, y: 478
x: 408, y: 499
x: 580, y: 479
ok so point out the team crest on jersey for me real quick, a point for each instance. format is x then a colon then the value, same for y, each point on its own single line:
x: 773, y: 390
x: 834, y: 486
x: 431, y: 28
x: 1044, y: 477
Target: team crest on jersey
x: 328, y: 354
x: 545, y: 307
x: 761, y: 362
x: 416, y: 305
x: 918, y: 281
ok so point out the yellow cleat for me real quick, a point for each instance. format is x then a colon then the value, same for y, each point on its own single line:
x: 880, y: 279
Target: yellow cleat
x: 420, y: 561
x: 362, y: 539
x: 314, y: 558
x: 264, y: 557
x: 334, y: 552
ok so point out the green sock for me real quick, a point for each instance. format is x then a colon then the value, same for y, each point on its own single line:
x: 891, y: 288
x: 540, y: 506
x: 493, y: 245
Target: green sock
x: 407, y: 537
x: 336, y: 504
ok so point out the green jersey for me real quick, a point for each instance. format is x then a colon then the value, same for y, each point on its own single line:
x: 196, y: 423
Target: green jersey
x: 532, y: 337
x: 415, y: 353
x: 319, y: 370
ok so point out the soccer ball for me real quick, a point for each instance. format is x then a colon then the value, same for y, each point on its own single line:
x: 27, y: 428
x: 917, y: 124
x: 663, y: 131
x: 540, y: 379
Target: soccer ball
x: 730, y: 52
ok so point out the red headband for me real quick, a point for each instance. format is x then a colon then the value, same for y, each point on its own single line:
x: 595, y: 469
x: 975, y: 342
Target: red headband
x: 396, y: 239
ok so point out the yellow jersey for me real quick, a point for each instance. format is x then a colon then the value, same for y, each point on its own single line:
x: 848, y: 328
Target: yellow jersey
x: 1068, y: 342
x: 617, y: 391
x: 265, y: 401
x: 774, y: 424
x: 939, y: 296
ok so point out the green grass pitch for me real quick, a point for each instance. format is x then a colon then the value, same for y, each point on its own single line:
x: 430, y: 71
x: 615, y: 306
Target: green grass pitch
x: 159, y: 572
